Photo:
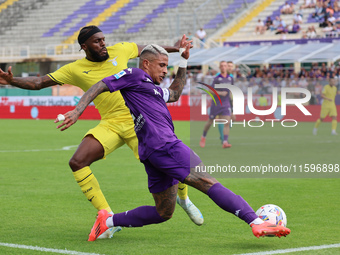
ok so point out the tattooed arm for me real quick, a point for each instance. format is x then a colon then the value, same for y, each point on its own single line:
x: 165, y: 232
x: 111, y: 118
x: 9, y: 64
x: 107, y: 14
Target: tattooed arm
x: 71, y: 117
x: 30, y: 83
x: 177, y: 85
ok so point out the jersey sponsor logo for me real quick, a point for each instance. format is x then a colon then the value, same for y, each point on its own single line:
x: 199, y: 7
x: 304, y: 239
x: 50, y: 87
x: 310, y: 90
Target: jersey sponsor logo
x: 119, y: 75
x: 139, y: 122
x: 87, y: 72
x: 157, y: 92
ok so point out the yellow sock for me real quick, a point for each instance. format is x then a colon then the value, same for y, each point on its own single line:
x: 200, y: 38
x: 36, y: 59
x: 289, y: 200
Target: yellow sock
x: 182, y: 191
x: 334, y: 124
x: 91, y: 189
x: 317, y: 123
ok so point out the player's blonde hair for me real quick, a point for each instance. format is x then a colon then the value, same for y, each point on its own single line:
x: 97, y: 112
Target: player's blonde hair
x: 154, y: 49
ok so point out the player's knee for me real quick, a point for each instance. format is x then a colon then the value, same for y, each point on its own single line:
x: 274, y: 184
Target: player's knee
x: 209, y: 182
x: 166, y: 215
x: 76, y: 164
x: 165, y: 211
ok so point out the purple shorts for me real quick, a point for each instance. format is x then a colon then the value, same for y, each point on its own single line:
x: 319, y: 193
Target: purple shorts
x: 168, y: 165
x: 219, y: 110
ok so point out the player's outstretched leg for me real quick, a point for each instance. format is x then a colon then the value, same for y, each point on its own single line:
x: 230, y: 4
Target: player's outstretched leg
x: 232, y: 203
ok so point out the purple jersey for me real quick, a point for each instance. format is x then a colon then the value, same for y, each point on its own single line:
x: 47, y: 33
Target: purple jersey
x: 225, y: 80
x: 146, y: 101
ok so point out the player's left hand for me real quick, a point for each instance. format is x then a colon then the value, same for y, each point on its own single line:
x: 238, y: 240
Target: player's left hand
x: 6, y: 78
x: 186, y: 45
x: 71, y: 117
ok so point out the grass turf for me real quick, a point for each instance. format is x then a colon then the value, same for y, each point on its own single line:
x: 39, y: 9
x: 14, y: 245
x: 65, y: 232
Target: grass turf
x: 41, y: 205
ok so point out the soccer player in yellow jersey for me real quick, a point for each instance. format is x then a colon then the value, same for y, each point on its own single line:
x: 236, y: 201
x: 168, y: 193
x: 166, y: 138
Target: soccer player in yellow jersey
x: 116, y: 126
x: 328, y: 106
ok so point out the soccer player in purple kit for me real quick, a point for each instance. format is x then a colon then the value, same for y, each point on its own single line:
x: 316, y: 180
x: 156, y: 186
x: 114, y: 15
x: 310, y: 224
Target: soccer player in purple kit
x: 167, y: 159
x: 224, y: 111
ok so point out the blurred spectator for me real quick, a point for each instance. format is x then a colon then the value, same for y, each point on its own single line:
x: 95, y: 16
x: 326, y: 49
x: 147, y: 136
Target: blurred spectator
x: 199, y: 76
x: 310, y: 33
x: 308, y: 4
x: 242, y: 83
x: 302, y: 83
x: 329, y: 9
x: 299, y: 15
x: 201, y: 34
x: 295, y: 28
x: 269, y: 23
x: 320, y: 12
x: 190, y: 36
x: 329, y: 30
x: 282, y: 29
x: 260, y: 27
x: 276, y: 23
x: 263, y: 101
x: 187, y: 86
x: 331, y: 18
x: 288, y: 8
x: 336, y: 6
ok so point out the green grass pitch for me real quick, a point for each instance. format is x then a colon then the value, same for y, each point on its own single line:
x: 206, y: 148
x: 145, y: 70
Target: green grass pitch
x: 42, y: 206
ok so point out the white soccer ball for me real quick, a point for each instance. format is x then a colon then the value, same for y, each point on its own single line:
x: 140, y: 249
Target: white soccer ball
x: 273, y: 214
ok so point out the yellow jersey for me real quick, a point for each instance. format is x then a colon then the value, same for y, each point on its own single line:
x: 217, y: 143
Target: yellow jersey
x: 329, y: 92
x: 84, y: 73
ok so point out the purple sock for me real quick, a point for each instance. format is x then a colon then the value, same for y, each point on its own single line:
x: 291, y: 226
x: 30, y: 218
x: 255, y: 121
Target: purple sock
x: 205, y: 133
x: 138, y: 217
x: 232, y: 203
x: 225, y: 138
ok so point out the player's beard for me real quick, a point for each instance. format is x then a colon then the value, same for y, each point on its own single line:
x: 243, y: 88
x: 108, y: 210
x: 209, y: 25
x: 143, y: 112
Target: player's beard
x: 96, y: 57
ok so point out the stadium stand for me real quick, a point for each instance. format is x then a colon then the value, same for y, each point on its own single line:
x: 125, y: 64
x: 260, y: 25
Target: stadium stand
x: 39, y: 30
x: 273, y: 10
x: 42, y: 24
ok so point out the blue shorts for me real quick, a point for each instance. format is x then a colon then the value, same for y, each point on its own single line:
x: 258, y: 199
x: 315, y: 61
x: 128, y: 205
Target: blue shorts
x: 219, y: 110
x: 168, y: 165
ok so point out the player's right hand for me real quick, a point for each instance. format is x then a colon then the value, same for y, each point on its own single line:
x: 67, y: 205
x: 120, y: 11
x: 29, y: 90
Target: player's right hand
x: 71, y: 117
x: 186, y: 45
x: 6, y: 78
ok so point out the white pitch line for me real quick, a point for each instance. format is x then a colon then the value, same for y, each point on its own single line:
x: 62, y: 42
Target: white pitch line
x: 310, y: 248
x: 37, y: 248
x: 66, y: 148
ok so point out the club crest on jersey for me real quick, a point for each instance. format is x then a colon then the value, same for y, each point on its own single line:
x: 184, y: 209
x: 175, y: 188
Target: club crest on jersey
x: 157, y: 92
x: 120, y: 74
x: 113, y: 61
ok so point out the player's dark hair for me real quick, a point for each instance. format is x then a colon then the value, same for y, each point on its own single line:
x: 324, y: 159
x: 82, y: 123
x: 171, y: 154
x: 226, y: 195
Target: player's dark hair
x: 86, y: 32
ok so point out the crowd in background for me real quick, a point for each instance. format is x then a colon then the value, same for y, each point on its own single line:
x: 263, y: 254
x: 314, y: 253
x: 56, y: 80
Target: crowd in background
x: 326, y: 13
x: 263, y: 79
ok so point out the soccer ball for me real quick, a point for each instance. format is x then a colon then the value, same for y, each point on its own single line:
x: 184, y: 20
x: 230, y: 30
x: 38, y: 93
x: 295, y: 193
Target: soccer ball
x: 273, y: 214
